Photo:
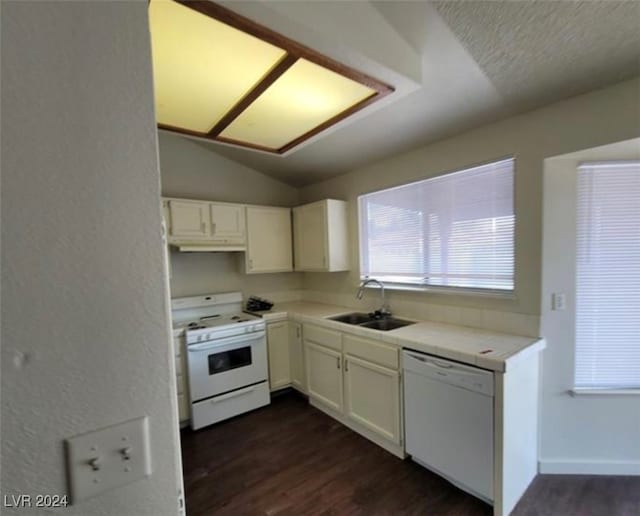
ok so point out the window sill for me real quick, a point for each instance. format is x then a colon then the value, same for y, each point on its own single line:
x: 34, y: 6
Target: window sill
x: 604, y: 392
x: 449, y: 291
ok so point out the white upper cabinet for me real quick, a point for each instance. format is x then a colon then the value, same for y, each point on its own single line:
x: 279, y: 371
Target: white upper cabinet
x: 268, y: 239
x: 189, y: 220
x: 205, y: 222
x: 227, y: 223
x: 321, y: 236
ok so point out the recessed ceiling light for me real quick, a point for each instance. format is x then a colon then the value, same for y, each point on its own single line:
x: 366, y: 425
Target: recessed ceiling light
x: 220, y: 76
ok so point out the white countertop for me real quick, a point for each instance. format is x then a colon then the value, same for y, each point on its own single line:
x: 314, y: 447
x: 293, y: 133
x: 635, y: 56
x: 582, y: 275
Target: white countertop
x: 483, y: 348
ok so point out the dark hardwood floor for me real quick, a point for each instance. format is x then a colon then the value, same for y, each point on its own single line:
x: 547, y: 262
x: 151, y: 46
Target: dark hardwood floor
x: 291, y: 459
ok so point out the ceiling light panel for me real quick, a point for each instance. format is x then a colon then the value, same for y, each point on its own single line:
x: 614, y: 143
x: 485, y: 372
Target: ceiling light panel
x: 304, y: 97
x: 224, y: 77
x: 202, y: 67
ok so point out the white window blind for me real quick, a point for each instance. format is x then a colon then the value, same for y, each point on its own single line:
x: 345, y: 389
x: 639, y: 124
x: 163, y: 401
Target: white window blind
x: 454, y: 230
x: 608, y: 276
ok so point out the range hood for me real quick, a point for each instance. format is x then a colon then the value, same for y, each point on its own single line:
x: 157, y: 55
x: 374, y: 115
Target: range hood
x: 206, y: 247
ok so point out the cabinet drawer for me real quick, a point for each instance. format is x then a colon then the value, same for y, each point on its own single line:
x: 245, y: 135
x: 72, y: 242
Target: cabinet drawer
x: 376, y: 352
x: 228, y: 405
x: 329, y: 338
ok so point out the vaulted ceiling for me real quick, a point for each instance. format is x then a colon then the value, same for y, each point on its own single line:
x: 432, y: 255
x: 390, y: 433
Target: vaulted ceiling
x: 455, y: 66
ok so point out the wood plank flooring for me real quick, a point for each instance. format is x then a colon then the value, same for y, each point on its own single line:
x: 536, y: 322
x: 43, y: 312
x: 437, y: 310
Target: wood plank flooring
x: 291, y: 459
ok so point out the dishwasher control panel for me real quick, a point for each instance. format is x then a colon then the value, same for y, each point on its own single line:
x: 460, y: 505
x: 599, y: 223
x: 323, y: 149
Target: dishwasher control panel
x: 452, y: 373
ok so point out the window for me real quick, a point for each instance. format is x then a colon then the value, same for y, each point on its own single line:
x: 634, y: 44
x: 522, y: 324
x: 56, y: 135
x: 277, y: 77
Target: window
x: 455, y: 230
x: 608, y: 276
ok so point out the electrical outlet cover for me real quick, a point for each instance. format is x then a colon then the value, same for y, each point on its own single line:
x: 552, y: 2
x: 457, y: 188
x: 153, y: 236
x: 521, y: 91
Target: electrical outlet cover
x: 108, y: 458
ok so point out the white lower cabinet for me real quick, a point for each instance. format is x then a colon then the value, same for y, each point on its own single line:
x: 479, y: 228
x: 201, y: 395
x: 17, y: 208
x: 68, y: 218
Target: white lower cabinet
x: 279, y: 358
x: 372, y: 397
x: 324, y: 375
x: 296, y: 357
x: 358, y: 380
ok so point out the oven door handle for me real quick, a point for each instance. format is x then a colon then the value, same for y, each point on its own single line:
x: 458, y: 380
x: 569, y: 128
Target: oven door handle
x: 213, y: 344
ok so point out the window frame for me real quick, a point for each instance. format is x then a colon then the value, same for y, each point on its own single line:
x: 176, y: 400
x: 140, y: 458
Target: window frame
x: 502, y: 294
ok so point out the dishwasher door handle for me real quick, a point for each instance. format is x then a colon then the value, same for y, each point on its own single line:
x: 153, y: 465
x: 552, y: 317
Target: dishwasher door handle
x: 417, y: 357
x: 442, y: 365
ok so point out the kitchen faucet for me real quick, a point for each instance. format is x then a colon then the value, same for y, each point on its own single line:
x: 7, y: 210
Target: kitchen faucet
x: 383, y: 311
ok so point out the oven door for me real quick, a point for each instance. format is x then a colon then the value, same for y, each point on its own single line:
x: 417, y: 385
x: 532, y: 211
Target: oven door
x: 223, y: 365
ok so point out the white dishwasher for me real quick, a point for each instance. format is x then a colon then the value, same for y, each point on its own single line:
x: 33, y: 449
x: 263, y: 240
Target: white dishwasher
x: 449, y: 420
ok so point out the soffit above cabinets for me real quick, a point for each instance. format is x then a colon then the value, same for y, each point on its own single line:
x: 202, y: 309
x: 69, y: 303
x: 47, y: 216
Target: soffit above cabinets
x: 226, y: 78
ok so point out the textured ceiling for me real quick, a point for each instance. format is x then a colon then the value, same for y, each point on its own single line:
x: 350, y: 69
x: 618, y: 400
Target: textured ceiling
x: 538, y: 52
x: 481, y: 61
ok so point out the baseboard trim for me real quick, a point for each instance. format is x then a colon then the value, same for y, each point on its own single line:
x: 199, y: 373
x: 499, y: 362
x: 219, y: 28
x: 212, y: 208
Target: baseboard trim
x: 595, y: 467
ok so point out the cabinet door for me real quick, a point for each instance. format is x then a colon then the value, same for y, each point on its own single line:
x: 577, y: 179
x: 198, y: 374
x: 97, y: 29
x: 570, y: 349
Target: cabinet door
x: 268, y: 239
x: 189, y: 219
x: 310, y: 223
x: 324, y: 375
x: 372, y: 397
x: 227, y: 223
x: 278, y: 349
x: 296, y: 353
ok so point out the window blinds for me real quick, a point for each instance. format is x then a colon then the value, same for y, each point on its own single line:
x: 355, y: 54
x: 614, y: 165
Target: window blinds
x: 608, y: 276
x: 456, y: 230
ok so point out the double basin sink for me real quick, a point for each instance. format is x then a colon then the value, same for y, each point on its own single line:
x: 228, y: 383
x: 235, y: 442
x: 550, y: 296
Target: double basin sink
x: 370, y: 321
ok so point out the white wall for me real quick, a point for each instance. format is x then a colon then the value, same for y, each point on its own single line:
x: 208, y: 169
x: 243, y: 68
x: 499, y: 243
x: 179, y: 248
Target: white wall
x: 189, y: 170
x: 589, y: 120
x: 85, y: 340
x: 584, y: 433
x: 203, y: 273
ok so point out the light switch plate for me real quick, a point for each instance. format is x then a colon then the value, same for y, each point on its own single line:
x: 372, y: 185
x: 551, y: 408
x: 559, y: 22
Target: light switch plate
x: 108, y: 458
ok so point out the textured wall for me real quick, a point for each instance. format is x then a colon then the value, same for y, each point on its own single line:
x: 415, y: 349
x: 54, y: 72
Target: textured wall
x: 85, y: 342
x: 538, y: 52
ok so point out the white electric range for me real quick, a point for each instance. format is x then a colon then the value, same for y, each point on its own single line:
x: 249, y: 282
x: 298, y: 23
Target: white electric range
x: 226, y: 356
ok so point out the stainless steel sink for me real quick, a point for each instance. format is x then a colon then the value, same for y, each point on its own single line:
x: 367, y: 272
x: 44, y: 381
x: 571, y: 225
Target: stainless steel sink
x: 386, y: 324
x: 353, y: 318
x: 368, y: 321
